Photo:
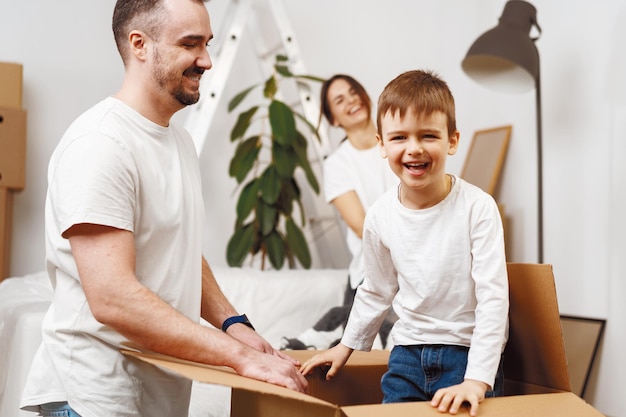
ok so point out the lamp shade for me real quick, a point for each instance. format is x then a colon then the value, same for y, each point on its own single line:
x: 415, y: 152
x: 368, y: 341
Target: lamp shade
x: 505, y: 58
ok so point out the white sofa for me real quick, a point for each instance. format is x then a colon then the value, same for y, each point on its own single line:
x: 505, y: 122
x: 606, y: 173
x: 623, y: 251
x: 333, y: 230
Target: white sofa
x: 279, y: 304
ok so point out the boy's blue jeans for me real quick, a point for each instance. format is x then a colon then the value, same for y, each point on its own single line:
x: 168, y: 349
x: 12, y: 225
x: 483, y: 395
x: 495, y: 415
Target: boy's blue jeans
x: 416, y: 372
x: 57, y: 410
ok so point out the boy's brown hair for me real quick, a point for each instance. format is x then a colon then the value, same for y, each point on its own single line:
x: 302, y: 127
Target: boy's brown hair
x: 419, y: 90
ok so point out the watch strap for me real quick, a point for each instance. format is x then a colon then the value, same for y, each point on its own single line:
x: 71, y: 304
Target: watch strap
x: 236, y: 319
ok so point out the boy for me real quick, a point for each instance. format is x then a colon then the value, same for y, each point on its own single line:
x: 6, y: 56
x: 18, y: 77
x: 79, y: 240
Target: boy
x: 434, y: 250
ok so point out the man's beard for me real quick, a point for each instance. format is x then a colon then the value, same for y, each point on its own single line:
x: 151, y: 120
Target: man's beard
x: 162, y: 76
x: 185, y: 98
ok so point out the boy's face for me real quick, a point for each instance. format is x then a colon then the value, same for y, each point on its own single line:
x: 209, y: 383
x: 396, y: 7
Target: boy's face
x: 416, y: 147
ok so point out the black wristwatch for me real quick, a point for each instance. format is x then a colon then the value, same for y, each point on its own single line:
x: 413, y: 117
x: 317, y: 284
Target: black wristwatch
x: 236, y: 319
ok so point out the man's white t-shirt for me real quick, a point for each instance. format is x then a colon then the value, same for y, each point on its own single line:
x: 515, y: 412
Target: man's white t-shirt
x: 116, y: 168
x: 364, y: 172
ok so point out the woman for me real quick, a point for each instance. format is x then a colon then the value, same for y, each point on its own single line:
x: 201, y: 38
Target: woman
x: 354, y: 176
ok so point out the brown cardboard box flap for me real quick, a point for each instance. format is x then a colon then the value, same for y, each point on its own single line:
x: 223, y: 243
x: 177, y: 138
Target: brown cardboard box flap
x: 216, y: 375
x: 534, y: 359
x: 539, y: 405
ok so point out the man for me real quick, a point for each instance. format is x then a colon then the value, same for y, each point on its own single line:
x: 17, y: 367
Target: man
x: 124, y: 219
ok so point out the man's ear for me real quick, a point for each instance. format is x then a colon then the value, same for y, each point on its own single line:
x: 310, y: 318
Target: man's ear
x: 453, y: 142
x: 381, y: 147
x: 138, y: 45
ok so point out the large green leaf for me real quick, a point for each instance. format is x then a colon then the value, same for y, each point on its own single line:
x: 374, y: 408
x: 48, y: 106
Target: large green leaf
x: 291, y: 191
x: 300, y: 149
x: 270, y: 184
x: 297, y: 243
x: 275, y: 249
x: 267, y: 216
x: 283, y: 122
x: 244, y: 158
x: 283, y: 70
x: 284, y: 204
x: 240, y: 97
x: 247, y: 199
x: 285, y: 160
x: 239, y: 245
x: 243, y: 122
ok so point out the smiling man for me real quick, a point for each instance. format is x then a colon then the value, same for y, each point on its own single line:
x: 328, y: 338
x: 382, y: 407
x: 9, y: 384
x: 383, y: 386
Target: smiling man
x: 125, y: 262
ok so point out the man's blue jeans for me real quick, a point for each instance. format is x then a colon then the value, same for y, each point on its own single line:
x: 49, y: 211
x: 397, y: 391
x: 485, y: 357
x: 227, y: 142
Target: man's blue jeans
x: 416, y: 372
x: 57, y: 410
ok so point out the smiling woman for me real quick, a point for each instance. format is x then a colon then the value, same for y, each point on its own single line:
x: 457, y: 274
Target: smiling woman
x: 355, y: 175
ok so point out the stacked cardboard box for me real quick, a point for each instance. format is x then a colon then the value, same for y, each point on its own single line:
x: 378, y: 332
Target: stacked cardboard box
x: 537, y: 381
x: 12, y: 128
x: 12, y: 153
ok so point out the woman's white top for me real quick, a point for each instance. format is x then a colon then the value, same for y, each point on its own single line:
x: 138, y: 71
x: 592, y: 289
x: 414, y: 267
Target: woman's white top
x: 364, y: 172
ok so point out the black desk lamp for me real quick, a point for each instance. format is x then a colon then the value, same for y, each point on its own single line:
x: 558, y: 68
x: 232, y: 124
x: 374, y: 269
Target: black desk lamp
x: 506, y: 59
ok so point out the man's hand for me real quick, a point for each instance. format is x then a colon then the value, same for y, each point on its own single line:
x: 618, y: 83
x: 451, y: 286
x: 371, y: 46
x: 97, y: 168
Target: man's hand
x: 452, y: 398
x: 272, y: 368
x: 251, y: 338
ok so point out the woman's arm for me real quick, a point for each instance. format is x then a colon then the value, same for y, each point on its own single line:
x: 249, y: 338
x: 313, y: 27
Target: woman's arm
x: 351, y: 211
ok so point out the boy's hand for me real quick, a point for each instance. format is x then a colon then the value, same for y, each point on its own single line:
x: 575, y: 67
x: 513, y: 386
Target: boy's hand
x: 452, y: 398
x: 336, y: 357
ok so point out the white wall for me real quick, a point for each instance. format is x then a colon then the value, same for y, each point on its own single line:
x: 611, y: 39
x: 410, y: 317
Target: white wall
x: 70, y: 62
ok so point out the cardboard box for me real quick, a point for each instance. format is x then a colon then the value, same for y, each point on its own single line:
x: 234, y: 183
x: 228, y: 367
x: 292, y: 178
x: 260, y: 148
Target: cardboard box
x: 535, y: 365
x: 354, y: 392
x: 11, y: 85
x: 12, y: 148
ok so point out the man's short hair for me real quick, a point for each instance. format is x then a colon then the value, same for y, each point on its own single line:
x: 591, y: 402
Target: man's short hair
x: 145, y: 15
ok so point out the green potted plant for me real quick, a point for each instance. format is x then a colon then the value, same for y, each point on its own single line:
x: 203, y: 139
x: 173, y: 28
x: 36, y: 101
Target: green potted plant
x: 264, y: 164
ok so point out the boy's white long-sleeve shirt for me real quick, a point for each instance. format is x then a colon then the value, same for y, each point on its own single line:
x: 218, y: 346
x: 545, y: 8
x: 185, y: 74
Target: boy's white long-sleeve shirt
x: 443, y: 269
